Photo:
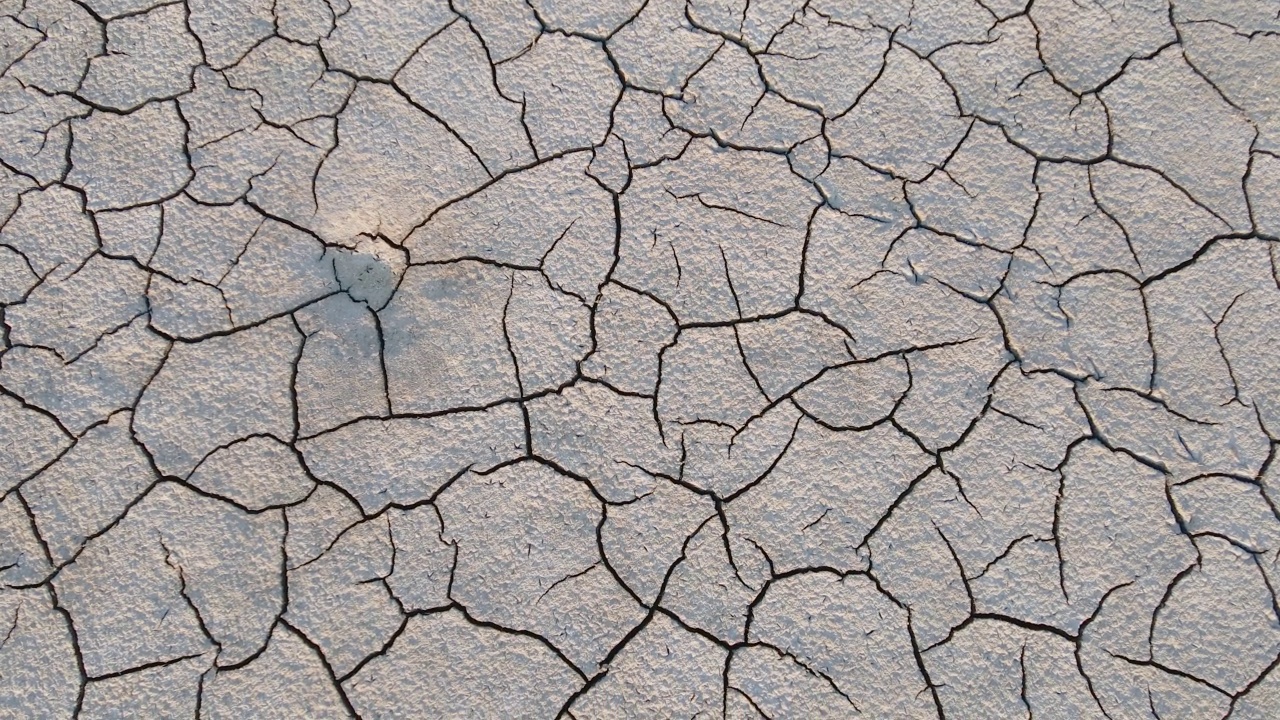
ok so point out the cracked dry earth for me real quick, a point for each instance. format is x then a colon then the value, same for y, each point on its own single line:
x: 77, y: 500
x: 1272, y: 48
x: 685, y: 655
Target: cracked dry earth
x: 754, y: 359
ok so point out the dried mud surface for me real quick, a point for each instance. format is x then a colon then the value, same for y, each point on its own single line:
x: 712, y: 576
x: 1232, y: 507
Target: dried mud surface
x: 639, y: 358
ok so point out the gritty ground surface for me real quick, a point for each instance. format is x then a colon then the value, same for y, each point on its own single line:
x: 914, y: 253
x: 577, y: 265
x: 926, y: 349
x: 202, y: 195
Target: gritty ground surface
x: 417, y: 359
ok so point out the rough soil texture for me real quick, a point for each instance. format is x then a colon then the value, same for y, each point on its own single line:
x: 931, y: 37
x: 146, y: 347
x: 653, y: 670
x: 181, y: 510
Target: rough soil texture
x: 640, y: 359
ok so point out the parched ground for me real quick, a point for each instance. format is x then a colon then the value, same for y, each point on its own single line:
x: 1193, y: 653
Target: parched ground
x: 640, y: 359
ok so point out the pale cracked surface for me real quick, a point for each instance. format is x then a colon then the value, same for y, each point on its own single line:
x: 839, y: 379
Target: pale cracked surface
x: 742, y: 359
